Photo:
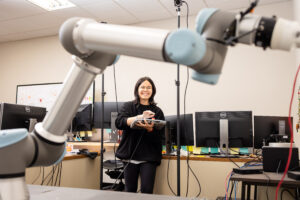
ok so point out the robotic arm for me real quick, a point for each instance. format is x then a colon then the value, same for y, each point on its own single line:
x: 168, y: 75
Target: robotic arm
x: 96, y: 46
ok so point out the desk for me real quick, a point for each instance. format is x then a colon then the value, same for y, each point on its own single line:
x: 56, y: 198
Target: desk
x: 265, y: 179
x: 93, y: 146
x: 82, y: 172
x: 63, y: 193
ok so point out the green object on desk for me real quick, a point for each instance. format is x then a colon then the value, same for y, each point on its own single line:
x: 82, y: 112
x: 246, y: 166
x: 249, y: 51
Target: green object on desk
x: 184, y: 148
x: 244, y: 151
x: 214, y: 150
x: 204, y: 150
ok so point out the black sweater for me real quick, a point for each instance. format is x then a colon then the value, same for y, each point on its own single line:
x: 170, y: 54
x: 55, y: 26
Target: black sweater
x: 149, y: 148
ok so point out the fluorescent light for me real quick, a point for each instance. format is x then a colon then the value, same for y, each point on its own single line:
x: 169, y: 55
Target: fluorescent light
x: 52, y: 4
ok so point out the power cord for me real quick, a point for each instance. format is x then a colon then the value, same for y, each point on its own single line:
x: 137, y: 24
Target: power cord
x: 115, y: 82
x: 184, y: 107
x: 37, y: 176
x: 267, y: 185
x: 127, y: 162
x: 187, y: 14
x: 168, y: 178
x: 116, y: 94
x: 292, y: 136
x: 286, y: 190
x: 228, y: 156
x: 184, y: 112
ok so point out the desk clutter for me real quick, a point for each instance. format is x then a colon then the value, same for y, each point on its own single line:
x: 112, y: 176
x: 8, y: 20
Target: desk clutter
x: 184, y: 150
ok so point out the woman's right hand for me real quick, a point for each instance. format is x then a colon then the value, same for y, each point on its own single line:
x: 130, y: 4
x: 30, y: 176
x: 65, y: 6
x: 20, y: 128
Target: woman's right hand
x: 146, y: 114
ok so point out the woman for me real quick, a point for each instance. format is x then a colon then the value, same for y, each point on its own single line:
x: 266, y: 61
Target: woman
x: 140, y: 149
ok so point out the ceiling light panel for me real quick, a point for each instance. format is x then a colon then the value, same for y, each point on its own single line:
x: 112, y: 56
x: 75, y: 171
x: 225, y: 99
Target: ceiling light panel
x: 261, y: 2
x: 51, y: 5
x: 227, y: 4
x: 110, y: 12
x: 145, y: 10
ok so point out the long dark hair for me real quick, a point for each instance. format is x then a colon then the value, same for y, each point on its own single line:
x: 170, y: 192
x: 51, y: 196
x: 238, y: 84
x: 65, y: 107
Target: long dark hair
x: 136, y: 90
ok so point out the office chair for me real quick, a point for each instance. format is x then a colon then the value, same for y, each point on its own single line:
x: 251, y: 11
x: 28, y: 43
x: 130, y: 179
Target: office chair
x: 114, y: 169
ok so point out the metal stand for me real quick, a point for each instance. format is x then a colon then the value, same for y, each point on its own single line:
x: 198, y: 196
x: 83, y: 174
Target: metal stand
x: 102, y: 133
x: 178, y: 4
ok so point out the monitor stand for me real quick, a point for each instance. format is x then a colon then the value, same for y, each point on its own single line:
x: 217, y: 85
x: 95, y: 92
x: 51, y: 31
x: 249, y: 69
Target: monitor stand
x: 224, y: 141
x: 32, y: 123
x: 113, y: 136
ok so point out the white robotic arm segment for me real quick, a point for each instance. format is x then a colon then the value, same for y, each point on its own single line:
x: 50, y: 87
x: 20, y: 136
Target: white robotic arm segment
x: 81, y: 36
x: 286, y: 35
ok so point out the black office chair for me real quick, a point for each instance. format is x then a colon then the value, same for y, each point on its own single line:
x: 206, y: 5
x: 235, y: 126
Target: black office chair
x: 114, y: 169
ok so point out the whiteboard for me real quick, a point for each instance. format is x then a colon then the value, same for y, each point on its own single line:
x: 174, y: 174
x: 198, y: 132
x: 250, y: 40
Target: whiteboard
x: 44, y: 95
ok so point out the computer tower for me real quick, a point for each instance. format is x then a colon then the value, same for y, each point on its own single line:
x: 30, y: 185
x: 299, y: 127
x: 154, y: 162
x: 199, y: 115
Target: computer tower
x: 275, y: 158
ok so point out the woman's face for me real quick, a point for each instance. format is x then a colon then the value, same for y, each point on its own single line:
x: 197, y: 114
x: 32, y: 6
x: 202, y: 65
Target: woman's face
x: 145, y: 90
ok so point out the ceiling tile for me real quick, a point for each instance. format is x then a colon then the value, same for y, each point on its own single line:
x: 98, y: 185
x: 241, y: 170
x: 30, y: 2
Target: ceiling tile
x: 12, y: 9
x: 19, y: 25
x: 194, y: 6
x: 227, y: 4
x: 36, y: 22
x: 145, y: 10
x: 85, y: 2
x: 71, y: 12
x: 110, y: 12
x: 6, y: 28
x: 261, y: 2
x: 13, y: 37
x: 43, y: 32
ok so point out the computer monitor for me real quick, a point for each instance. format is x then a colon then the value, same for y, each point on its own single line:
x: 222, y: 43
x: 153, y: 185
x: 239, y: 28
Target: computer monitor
x: 271, y: 129
x: 83, y: 120
x: 186, y: 129
x: 20, y: 116
x: 224, y: 129
x: 110, y: 110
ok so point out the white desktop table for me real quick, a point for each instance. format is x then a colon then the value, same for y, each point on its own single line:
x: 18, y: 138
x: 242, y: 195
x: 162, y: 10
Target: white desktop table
x: 38, y: 192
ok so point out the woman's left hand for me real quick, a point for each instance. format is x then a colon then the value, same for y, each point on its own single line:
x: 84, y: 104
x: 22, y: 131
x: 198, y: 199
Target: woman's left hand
x: 146, y: 125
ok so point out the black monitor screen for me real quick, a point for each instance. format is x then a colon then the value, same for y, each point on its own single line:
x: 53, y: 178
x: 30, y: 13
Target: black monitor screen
x: 83, y: 118
x: 109, y: 107
x: 186, y: 129
x: 240, y: 132
x: 19, y: 116
x: 269, y: 129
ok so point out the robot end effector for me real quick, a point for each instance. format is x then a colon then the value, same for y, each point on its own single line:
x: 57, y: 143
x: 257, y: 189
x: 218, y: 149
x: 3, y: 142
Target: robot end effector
x: 218, y: 30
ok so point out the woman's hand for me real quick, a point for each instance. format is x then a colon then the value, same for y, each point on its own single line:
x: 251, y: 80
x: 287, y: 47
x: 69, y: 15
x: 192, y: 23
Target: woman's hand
x: 146, y: 114
x: 146, y: 125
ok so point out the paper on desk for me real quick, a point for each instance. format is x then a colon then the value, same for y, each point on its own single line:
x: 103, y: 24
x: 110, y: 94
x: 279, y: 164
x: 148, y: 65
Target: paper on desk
x: 190, y: 148
x: 90, y: 133
x: 82, y: 133
x: 234, y: 151
x: 214, y: 150
x: 184, y: 148
x: 204, y: 150
x: 244, y: 151
x: 163, y: 149
x: 196, y: 150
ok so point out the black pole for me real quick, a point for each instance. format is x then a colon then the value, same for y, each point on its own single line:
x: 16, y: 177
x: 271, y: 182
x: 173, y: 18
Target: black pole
x: 178, y: 114
x: 102, y: 132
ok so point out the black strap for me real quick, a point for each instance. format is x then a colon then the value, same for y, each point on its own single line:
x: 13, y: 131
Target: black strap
x: 22, y: 174
x: 47, y: 141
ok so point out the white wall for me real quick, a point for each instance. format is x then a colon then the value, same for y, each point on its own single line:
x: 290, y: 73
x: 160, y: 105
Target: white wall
x: 252, y: 79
